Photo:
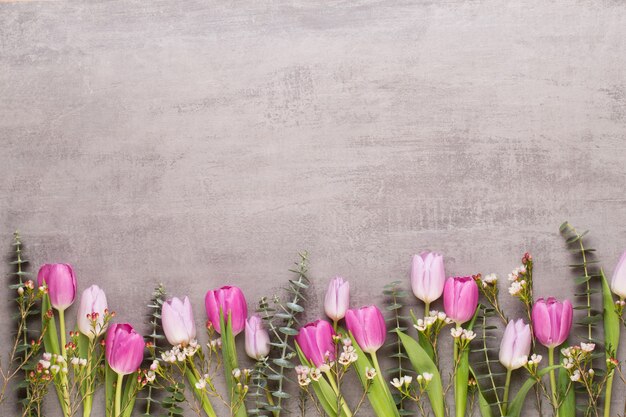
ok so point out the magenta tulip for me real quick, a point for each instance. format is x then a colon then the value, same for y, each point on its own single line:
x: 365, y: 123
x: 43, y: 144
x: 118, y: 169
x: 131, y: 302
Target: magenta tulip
x: 427, y: 276
x: 367, y: 325
x: 177, y: 321
x: 337, y: 299
x: 124, y: 348
x: 91, y: 311
x: 460, y: 298
x: 231, y: 302
x: 552, y: 321
x: 316, y: 342
x: 515, y: 345
x: 257, y: 338
x: 61, y: 283
x: 618, y: 282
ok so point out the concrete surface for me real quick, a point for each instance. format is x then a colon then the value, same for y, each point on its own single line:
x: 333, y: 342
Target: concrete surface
x: 202, y: 143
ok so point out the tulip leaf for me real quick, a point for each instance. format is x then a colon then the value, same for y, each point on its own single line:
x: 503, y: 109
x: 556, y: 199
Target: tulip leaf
x: 229, y: 354
x: 423, y: 363
x: 566, y: 392
x: 51, y: 337
x: 110, y: 378
x: 129, y: 395
x: 461, y: 377
x: 516, y: 406
x: 483, y: 404
x: 611, y: 335
x: 201, y: 395
x: 324, y: 392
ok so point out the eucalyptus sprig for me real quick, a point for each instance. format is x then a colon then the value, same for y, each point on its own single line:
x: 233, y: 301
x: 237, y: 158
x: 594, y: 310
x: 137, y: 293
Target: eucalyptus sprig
x: 156, y: 336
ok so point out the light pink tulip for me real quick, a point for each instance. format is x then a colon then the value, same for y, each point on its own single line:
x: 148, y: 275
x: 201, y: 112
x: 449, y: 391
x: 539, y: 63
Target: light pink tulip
x: 61, y: 283
x: 552, y: 321
x: 177, y: 320
x: 123, y: 348
x: 231, y: 302
x: 618, y: 282
x: 367, y: 325
x: 316, y: 342
x: 91, y: 312
x: 257, y: 338
x: 337, y: 299
x: 515, y: 345
x: 460, y: 298
x: 427, y: 276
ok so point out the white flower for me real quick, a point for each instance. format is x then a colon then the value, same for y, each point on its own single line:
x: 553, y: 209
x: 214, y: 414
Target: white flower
x: 315, y: 374
x: 567, y: 352
x: 441, y: 316
x: 490, y: 279
x: 516, y: 287
x: 303, y: 380
x: 302, y: 370
x: 236, y: 373
x: 535, y: 359
x: 75, y: 361
x: 592, y: 372
x: 587, y: 347
x: 154, y: 365
x: 568, y: 363
x: 397, y: 382
x: 407, y: 380
x: 468, y: 335
x: 47, y: 356
x: 370, y: 373
x: 55, y: 368
x: 427, y: 376
x: 201, y: 384
x: 456, y: 332
x: 575, y: 376
x: 44, y: 364
x: 151, y: 376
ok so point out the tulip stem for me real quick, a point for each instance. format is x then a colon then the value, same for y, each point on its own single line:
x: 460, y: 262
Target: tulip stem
x: 62, y: 328
x: 118, y: 395
x: 426, y: 309
x: 379, y: 372
x: 505, y: 398
x: 333, y: 384
x: 553, y: 381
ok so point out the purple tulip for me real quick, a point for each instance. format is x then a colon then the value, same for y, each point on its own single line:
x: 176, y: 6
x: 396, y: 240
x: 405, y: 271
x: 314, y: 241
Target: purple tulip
x: 337, y: 299
x: 231, y: 302
x: 91, y: 311
x: 123, y: 348
x: 427, y: 276
x: 257, y: 338
x: 618, y: 282
x: 515, y: 345
x: 552, y: 321
x: 177, y: 321
x: 61, y: 283
x: 460, y: 298
x: 316, y: 342
x: 367, y: 325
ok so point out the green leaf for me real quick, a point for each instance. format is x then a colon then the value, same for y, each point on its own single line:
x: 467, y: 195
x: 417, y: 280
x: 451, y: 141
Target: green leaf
x: 324, y: 392
x: 483, y: 404
x: 110, y: 378
x: 229, y: 353
x: 516, y: 406
x: 423, y: 363
x: 611, y: 335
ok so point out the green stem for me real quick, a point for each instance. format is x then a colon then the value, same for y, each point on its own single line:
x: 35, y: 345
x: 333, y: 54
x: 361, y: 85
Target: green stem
x: 193, y: 376
x: 609, y: 389
x: 379, y: 373
x: 426, y: 309
x: 555, y: 403
x: 118, y: 396
x: 505, y: 398
x: 333, y: 384
x: 62, y: 328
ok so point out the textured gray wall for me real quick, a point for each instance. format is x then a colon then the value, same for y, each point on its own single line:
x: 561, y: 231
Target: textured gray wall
x: 200, y: 143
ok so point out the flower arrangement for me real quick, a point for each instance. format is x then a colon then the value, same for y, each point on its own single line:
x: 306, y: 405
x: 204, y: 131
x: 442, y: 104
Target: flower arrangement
x: 171, y: 370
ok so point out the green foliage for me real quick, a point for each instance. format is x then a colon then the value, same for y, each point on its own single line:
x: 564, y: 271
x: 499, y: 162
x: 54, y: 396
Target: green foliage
x: 281, y: 321
x: 175, y: 397
x: 394, y: 304
x: 516, y: 406
x: 154, y: 317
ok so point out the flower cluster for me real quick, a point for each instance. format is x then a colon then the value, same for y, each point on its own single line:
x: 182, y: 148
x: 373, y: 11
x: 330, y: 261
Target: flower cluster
x: 180, y: 353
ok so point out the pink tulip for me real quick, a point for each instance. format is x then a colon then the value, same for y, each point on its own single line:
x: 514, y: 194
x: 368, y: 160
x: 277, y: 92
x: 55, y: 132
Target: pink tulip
x: 231, y: 302
x: 367, y: 325
x: 316, y: 342
x: 552, y: 321
x: 460, y: 298
x: 257, y: 338
x: 124, y: 348
x: 515, y: 345
x: 91, y: 312
x: 618, y: 282
x: 337, y: 299
x: 427, y: 276
x: 177, y: 321
x: 61, y: 284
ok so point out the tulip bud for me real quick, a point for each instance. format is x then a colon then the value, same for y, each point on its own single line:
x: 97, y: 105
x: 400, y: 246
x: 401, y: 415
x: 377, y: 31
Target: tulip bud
x: 93, y: 300
x: 257, y: 338
x: 123, y: 348
x: 367, y: 326
x: 552, y: 321
x: 618, y: 283
x: 177, y: 321
x: 427, y: 276
x: 61, y: 283
x: 515, y: 345
x: 337, y: 299
x: 231, y: 302
x: 316, y: 342
x: 460, y: 298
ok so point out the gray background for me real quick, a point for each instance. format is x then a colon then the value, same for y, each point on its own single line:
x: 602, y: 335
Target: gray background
x: 202, y: 143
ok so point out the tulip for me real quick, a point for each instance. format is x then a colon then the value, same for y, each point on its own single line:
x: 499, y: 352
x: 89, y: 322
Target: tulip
x: 177, y: 321
x: 257, y: 338
x: 460, y: 298
x: 316, y: 342
x: 337, y: 299
x: 367, y: 326
x: 92, y: 311
x: 61, y: 283
x: 552, y: 321
x: 618, y: 282
x: 515, y: 345
x: 230, y: 301
x: 427, y: 277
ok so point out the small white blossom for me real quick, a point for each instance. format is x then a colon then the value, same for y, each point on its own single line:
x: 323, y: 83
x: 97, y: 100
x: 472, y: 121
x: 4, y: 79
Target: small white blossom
x: 370, y: 373
x: 315, y: 374
x: 456, y: 332
x: 427, y: 376
x: 587, y: 347
x: 575, y: 376
x: 201, y: 384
